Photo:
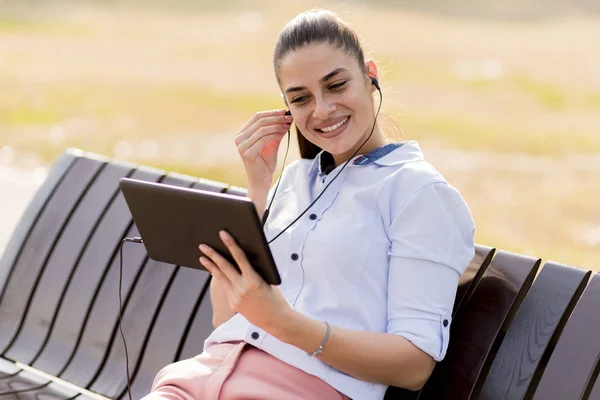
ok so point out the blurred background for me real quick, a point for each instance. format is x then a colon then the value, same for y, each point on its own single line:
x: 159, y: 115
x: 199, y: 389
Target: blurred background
x: 503, y: 96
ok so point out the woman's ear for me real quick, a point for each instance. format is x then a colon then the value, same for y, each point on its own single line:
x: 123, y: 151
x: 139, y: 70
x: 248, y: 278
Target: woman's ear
x: 372, y: 71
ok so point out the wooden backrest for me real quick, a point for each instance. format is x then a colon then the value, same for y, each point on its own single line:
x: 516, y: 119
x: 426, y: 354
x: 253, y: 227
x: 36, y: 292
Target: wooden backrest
x: 57, y: 226
x: 59, y: 284
x: 24, y: 261
x: 13, y: 251
x: 480, y: 325
x: 95, y: 272
x: 573, y: 366
x: 472, y: 276
x: 533, y: 333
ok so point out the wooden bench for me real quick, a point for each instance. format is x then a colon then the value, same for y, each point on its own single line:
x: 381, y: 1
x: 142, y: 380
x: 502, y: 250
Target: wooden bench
x: 519, y: 331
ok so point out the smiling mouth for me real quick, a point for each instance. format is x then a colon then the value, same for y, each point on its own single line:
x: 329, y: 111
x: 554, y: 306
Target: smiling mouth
x: 334, y: 127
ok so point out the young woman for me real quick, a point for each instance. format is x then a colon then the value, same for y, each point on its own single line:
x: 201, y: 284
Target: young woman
x: 369, y: 271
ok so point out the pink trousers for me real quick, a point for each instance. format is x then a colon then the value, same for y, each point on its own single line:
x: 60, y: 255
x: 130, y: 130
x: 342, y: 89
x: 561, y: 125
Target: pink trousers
x: 237, y: 371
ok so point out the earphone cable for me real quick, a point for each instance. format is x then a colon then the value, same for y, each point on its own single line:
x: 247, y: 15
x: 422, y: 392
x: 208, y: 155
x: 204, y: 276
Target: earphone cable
x: 132, y: 240
x: 266, y: 213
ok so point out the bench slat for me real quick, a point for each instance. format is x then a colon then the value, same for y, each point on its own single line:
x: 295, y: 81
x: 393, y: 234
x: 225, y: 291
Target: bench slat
x: 211, y: 186
x: 236, y: 191
x: 200, y: 330
x: 479, y: 328
x: 20, y: 381
x: 472, y: 276
x: 577, y: 350
x: 38, y: 247
x: 32, y: 386
x: 38, y: 393
x: 517, y: 367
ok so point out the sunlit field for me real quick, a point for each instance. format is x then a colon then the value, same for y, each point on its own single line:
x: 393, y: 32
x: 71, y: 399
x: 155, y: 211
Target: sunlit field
x: 507, y: 109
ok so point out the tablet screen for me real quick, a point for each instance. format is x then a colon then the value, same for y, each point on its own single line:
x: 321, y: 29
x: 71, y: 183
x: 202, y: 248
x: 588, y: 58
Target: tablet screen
x: 173, y: 221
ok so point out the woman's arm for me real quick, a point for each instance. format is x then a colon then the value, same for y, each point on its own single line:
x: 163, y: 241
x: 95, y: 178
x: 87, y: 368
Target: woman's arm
x: 258, y: 193
x: 222, y: 312
x: 374, y: 357
x: 257, y: 143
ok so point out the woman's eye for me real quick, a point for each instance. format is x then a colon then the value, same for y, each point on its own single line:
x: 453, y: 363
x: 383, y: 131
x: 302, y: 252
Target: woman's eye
x: 299, y: 99
x: 337, y: 85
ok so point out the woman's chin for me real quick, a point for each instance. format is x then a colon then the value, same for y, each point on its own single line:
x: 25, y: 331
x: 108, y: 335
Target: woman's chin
x: 338, y: 147
x: 342, y: 143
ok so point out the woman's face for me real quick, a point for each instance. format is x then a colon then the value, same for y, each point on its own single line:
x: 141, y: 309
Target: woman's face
x: 330, y: 97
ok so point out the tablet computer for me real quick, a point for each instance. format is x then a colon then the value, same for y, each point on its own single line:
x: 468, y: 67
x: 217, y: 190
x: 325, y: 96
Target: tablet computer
x: 173, y: 221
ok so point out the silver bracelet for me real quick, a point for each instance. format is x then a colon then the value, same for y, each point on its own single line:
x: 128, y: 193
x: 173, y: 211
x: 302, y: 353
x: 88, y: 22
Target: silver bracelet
x: 320, y: 348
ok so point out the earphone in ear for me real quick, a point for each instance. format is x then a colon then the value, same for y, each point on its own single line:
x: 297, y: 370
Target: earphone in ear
x: 375, y: 83
x: 288, y: 112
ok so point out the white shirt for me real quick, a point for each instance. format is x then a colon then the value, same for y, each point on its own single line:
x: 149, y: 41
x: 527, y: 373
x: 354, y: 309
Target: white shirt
x: 382, y: 251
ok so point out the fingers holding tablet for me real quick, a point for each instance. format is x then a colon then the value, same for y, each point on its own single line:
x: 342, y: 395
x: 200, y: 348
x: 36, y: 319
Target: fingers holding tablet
x: 213, y: 260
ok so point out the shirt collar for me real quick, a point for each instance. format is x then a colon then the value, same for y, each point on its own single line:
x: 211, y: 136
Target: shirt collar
x: 387, y: 155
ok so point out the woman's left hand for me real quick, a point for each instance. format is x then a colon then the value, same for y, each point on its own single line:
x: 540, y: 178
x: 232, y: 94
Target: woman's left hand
x: 262, y: 304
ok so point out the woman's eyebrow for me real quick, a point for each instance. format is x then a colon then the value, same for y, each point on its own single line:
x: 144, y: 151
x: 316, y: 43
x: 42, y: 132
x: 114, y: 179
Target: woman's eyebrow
x: 323, y: 79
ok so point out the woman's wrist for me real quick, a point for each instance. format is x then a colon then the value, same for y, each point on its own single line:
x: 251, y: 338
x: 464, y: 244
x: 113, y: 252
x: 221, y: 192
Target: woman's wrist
x: 258, y: 193
x: 301, y: 331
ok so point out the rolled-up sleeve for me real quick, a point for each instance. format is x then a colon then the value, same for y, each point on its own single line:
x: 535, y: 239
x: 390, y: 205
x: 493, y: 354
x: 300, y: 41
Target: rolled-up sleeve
x: 431, y: 238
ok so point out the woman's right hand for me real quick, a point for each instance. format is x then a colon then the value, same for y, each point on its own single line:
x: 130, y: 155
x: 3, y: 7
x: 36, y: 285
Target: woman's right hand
x: 258, y: 142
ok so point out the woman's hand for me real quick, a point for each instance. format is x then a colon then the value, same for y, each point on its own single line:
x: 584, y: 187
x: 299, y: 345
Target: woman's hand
x: 247, y: 293
x: 258, y: 142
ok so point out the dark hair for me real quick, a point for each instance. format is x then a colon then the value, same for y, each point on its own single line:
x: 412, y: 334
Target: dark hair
x: 316, y: 26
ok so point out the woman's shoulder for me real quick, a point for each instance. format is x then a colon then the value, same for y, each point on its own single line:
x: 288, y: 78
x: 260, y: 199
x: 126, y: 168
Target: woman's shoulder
x: 410, y: 178
x: 407, y: 169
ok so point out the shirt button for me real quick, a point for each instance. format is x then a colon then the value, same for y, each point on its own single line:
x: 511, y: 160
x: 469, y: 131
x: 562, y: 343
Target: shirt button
x: 255, y: 335
x: 294, y: 256
x: 445, y: 323
x: 313, y: 216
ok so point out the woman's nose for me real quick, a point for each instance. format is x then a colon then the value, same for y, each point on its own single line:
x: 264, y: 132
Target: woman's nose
x: 323, y: 108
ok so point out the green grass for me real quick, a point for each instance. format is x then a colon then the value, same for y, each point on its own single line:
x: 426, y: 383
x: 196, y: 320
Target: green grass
x: 550, y: 95
x: 594, y: 101
x: 158, y: 109
x: 479, y: 134
x: 408, y: 71
x: 153, y: 110
x: 24, y: 116
x: 37, y: 26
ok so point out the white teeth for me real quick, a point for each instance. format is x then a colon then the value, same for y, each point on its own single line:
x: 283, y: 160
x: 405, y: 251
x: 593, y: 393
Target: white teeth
x: 334, y: 127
